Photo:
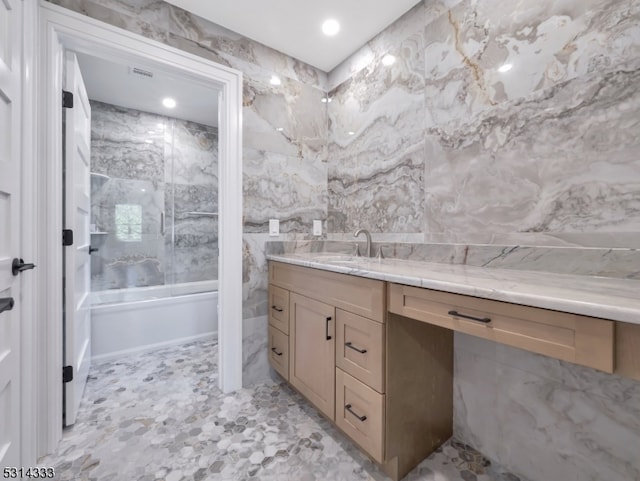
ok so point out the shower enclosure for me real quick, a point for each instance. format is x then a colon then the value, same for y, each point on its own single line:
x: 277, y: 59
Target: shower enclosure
x: 154, y: 222
x: 154, y: 196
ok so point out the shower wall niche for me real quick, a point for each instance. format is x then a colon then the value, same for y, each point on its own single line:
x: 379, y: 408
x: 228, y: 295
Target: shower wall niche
x: 154, y: 200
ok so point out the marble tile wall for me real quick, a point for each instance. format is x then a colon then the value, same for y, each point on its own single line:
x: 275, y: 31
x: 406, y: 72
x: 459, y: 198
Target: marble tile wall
x: 376, y: 140
x: 176, y: 173
x: 542, y: 154
x: 543, y: 418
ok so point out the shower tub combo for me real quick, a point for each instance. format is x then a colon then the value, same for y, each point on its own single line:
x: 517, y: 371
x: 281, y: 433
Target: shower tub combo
x: 149, y: 317
x: 154, y: 197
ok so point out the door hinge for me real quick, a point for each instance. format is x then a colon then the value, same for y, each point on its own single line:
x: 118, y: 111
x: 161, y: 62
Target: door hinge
x: 67, y: 99
x: 67, y: 374
x: 67, y: 237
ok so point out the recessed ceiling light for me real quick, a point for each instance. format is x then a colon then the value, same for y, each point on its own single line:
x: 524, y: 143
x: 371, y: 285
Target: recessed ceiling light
x: 275, y: 80
x: 351, y: 132
x: 388, y: 60
x: 280, y: 129
x: 505, y: 68
x: 169, y: 103
x: 151, y: 132
x: 149, y: 141
x: 330, y: 27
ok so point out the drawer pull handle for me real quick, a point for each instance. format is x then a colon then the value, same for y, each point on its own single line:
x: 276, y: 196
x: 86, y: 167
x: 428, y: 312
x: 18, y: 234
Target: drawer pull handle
x: 486, y: 320
x: 274, y: 350
x: 360, y: 418
x: 276, y: 308
x: 327, y: 329
x: 351, y: 346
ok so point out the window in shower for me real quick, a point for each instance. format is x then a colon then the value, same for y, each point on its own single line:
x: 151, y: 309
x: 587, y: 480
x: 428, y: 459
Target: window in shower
x: 128, y: 219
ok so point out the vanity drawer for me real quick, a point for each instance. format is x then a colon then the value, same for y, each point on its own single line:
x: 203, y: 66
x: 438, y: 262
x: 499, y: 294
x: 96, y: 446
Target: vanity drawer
x: 360, y: 414
x: 359, y: 295
x: 579, y: 339
x: 279, y: 351
x: 279, y: 308
x: 360, y: 348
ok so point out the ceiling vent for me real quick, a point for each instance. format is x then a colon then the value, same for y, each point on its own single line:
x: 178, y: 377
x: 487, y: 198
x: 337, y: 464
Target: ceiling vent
x: 140, y: 72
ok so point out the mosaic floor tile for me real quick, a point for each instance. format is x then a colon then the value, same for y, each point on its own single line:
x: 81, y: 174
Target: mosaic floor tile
x: 159, y: 416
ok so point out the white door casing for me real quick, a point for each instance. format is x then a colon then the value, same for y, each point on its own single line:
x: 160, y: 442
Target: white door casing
x: 61, y: 28
x: 10, y: 228
x: 77, y: 265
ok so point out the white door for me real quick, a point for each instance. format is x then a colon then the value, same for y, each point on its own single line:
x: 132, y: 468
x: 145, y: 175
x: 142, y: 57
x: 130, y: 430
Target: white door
x: 10, y: 161
x: 77, y: 267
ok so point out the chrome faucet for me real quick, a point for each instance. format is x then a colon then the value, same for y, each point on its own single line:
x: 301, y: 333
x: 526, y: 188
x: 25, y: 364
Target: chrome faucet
x: 368, y: 236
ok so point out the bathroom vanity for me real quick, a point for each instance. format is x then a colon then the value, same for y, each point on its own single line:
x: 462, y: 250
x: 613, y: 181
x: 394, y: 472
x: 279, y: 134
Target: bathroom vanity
x: 370, y: 343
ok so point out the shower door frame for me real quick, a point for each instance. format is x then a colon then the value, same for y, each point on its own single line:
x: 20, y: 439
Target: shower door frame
x: 62, y: 29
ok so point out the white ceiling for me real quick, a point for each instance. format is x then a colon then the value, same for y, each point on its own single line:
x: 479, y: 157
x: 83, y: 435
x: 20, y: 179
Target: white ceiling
x: 114, y: 84
x: 293, y: 26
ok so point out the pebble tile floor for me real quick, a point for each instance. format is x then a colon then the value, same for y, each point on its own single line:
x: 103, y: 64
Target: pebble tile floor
x: 159, y: 416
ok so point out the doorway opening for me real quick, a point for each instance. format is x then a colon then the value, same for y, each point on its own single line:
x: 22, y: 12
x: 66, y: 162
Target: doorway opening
x: 64, y: 31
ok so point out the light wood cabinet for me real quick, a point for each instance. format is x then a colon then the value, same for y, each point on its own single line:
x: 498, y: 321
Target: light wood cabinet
x: 579, y: 339
x: 387, y: 386
x: 385, y: 377
x: 628, y: 350
x: 312, y: 351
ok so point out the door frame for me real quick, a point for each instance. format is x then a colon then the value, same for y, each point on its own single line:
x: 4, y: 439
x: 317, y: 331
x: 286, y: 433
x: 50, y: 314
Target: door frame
x: 62, y: 29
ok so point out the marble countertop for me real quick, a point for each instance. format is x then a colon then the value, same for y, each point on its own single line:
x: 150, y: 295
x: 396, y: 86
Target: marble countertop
x: 604, y: 297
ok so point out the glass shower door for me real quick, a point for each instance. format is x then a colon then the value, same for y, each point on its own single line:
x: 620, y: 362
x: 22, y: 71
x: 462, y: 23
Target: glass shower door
x: 191, y: 208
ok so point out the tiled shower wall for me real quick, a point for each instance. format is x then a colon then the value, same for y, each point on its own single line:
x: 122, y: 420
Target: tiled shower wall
x: 154, y: 164
x: 442, y: 147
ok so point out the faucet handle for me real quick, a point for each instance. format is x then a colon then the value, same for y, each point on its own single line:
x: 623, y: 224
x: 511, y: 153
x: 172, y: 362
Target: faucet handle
x: 379, y: 255
x: 356, y: 249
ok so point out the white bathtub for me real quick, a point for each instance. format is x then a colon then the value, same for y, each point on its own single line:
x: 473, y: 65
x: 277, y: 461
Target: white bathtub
x: 133, y: 320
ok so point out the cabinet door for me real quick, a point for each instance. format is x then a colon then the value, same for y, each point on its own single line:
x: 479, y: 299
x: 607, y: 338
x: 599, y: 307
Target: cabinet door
x: 312, y: 351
